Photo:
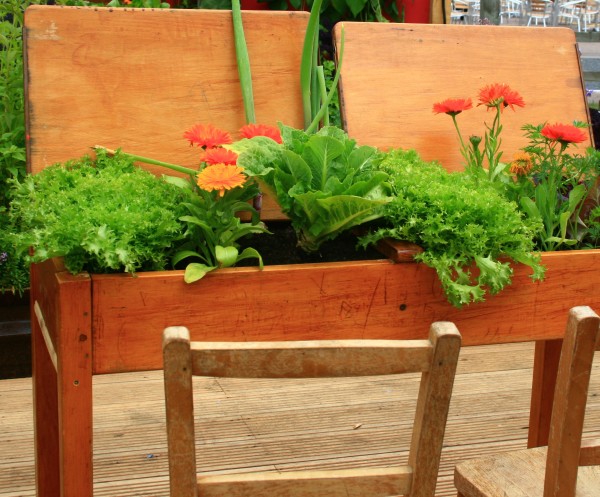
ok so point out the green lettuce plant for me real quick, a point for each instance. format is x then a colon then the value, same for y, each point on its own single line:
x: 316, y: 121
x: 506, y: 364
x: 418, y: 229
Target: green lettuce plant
x: 468, y: 230
x: 216, y: 193
x: 323, y: 182
x: 102, y: 215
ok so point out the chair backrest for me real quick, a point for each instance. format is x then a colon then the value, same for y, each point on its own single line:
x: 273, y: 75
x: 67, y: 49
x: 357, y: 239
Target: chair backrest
x: 565, y: 451
x: 436, y: 358
x: 392, y: 74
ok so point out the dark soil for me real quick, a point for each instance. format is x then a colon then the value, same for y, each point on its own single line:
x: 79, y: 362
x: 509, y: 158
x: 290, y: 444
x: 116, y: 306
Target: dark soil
x: 281, y: 248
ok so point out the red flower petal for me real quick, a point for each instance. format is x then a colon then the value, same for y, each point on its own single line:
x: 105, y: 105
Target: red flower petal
x: 564, y: 133
x: 207, y: 136
x: 219, y: 156
x: 251, y: 130
x: 500, y: 95
x: 452, y: 106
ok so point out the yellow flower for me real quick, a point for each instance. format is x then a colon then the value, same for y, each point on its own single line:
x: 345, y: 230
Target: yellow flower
x: 220, y: 177
x: 521, y: 164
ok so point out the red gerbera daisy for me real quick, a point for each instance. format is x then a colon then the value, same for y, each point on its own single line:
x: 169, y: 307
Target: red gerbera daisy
x: 452, y: 106
x: 207, y: 136
x: 564, y: 133
x: 500, y: 95
x: 220, y: 177
x: 251, y: 130
x: 219, y: 156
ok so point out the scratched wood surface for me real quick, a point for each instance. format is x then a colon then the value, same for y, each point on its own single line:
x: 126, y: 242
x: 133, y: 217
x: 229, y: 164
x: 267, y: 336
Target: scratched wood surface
x: 392, y: 74
x: 298, y: 425
x: 366, y: 299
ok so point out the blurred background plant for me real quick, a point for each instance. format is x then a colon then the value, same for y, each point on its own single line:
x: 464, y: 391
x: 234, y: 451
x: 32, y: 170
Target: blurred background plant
x: 14, y: 273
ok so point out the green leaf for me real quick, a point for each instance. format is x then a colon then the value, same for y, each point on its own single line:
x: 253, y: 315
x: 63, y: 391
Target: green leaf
x: 184, y: 254
x: 195, y: 271
x: 319, y: 154
x: 226, y: 256
x: 250, y: 253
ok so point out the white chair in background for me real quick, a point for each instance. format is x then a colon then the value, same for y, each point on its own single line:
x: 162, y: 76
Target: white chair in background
x: 511, y: 9
x: 572, y: 12
x: 539, y: 10
x: 591, y: 15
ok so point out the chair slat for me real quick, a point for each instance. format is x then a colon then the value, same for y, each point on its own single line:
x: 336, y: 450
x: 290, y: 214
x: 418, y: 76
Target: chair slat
x: 374, y: 482
x: 328, y: 358
x: 590, y: 453
x: 568, y: 411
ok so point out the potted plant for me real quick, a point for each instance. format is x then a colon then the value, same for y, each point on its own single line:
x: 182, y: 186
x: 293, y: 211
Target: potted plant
x: 94, y: 323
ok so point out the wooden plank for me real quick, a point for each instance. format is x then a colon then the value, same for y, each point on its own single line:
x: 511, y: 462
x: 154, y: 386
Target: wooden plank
x: 138, y: 78
x: 547, y: 356
x: 309, y: 359
x: 62, y: 395
x: 325, y: 301
x: 392, y: 74
x: 488, y: 414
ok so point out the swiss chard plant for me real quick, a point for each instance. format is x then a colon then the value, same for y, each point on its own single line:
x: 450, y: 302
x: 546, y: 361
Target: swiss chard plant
x: 324, y: 182
x: 468, y: 230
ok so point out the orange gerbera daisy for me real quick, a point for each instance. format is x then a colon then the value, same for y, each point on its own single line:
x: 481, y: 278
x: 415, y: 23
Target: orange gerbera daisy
x: 452, y: 106
x: 207, y: 136
x: 219, y: 156
x: 500, y: 95
x: 251, y: 130
x: 521, y: 164
x: 220, y: 177
x: 564, y: 133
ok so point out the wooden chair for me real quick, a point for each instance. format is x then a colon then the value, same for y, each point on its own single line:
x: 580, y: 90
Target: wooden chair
x: 566, y: 464
x: 436, y: 358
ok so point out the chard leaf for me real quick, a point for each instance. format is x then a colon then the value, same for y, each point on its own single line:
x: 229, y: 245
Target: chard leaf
x: 250, y: 253
x: 226, y: 256
x: 196, y: 271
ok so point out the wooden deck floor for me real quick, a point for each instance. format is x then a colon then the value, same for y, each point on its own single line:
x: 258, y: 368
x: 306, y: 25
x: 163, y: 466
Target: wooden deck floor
x: 290, y: 424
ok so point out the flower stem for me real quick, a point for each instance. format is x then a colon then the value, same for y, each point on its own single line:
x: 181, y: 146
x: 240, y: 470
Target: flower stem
x: 146, y: 160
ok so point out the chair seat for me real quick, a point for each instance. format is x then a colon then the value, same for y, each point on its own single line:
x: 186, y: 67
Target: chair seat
x: 517, y: 474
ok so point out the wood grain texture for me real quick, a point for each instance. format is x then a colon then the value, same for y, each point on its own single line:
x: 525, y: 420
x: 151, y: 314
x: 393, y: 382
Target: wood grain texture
x: 63, y: 396
x: 179, y: 407
x: 516, y: 474
x: 432, y: 408
x: 436, y: 358
x: 551, y: 471
x: 374, y: 482
x: 310, y: 359
x: 375, y: 299
x: 392, y: 74
x: 136, y: 79
x: 546, y: 358
x: 570, y: 401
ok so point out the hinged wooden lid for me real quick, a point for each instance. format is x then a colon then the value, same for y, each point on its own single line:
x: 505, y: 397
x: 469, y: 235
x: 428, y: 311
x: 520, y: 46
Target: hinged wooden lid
x: 136, y: 79
x: 392, y: 74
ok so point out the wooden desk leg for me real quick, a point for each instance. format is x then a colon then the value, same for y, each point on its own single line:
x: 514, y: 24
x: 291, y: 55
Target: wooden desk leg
x: 45, y: 405
x: 62, y: 382
x: 75, y: 387
x: 545, y: 369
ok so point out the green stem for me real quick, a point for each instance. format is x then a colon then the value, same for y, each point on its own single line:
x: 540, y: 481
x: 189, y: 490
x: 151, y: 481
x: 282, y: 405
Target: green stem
x: 243, y: 62
x: 307, y: 63
x: 146, y: 160
x: 325, y: 106
x: 323, y: 93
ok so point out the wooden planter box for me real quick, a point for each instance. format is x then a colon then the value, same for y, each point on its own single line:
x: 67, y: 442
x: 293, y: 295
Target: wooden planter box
x: 126, y: 88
